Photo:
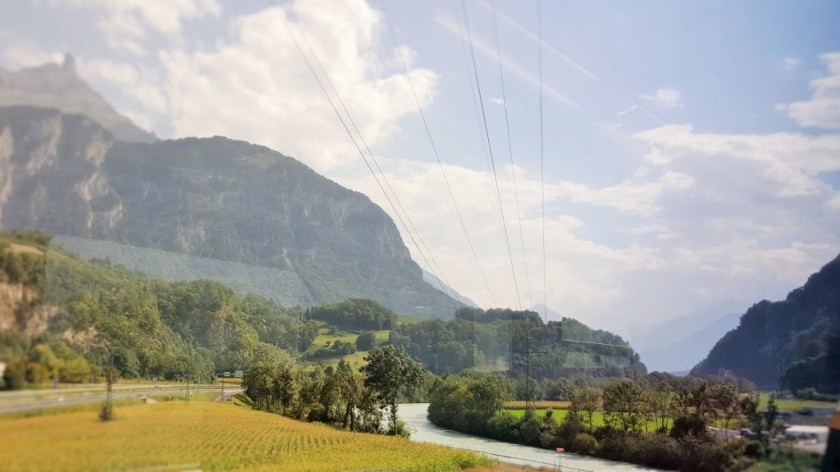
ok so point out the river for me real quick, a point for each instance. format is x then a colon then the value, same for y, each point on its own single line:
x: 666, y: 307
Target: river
x: 414, y: 414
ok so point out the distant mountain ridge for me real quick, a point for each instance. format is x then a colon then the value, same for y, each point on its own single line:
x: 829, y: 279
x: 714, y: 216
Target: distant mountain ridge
x: 679, y: 354
x: 59, y: 86
x: 214, y: 198
x: 439, y: 284
x: 679, y: 343
x: 772, y: 336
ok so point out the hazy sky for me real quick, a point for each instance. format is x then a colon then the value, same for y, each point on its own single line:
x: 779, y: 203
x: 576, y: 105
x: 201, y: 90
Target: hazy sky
x: 692, y: 148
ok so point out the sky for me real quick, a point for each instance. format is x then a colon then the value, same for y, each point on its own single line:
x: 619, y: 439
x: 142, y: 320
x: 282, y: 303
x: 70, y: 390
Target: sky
x: 689, y: 152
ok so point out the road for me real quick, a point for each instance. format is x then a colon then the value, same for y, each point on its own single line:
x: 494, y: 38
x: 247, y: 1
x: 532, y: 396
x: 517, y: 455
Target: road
x: 29, y: 400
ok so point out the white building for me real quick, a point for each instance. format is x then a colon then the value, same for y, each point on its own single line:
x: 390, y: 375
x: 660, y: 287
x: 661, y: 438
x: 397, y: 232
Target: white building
x: 803, y: 432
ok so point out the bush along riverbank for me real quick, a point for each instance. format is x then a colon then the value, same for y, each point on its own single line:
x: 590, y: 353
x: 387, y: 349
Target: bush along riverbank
x: 661, y: 423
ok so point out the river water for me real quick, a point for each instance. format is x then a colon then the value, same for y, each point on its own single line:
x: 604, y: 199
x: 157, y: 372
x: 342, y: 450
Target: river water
x: 414, y: 414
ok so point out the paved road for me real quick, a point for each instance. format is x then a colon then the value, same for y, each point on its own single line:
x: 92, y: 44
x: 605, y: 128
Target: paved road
x: 28, y: 400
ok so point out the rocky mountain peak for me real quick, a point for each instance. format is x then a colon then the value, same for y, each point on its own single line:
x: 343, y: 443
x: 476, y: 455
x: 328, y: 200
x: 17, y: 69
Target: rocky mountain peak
x: 69, y: 64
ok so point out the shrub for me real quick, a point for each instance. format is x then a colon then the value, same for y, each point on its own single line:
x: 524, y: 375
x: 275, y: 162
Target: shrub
x: 690, y: 425
x: 530, y: 430
x: 585, y: 443
x: 15, y: 375
x: 503, y: 426
x: 365, y: 341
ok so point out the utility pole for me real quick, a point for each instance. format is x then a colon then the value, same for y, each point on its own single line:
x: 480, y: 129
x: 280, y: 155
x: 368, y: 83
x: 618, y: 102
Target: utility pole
x: 527, y: 332
x: 107, y: 413
x: 187, y: 396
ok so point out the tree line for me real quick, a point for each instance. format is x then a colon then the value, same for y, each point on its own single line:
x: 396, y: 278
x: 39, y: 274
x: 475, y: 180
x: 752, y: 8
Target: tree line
x: 660, y: 421
x: 337, y: 395
x: 519, y: 342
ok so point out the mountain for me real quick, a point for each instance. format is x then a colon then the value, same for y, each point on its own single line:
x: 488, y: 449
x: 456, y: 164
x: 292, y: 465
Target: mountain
x: 211, y: 198
x: 59, y: 86
x: 546, y: 312
x: 771, y: 336
x: 650, y: 336
x: 679, y: 354
x: 677, y: 344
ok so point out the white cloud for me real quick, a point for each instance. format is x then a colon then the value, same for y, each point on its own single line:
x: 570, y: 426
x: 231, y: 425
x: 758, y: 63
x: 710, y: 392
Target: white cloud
x: 660, y: 232
x: 634, y: 196
x: 790, y: 63
x: 127, y: 22
x: 256, y: 85
x: 664, y: 98
x: 789, y: 163
x: 822, y: 110
x: 497, y: 101
x: 116, y: 73
x: 28, y: 54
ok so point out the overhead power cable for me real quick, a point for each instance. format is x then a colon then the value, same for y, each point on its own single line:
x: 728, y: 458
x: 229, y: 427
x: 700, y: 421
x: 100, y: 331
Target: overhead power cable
x: 444, y: 284
x: 510, y: 153
x: 437, y: 157
x: 364, y: 158
x: 490, y: 150
x: 542, y: 160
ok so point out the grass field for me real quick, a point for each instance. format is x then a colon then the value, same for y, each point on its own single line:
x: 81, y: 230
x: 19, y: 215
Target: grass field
x: 794, y: 404
x: 356, y: 359
x: 560, y: 413
x: 208, y: 436
x: 540, y: 404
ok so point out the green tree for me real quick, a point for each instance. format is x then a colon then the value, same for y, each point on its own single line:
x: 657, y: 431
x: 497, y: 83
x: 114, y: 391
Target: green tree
x: 388, y: 370
x: 588, y: 400
x: 725, y: 399
x: 365, y: 341
x: 623, y: 405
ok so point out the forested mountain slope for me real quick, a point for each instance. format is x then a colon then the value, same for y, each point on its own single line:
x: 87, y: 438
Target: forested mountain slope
x: 214, y: 198
x: 772, y: 336
x: 60, y: 315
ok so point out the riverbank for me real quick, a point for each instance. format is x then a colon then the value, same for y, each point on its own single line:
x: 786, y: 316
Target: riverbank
x: 422, y: 430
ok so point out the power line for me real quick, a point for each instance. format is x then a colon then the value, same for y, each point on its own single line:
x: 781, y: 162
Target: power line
x: 510, y: 153
x: 358, y: 148
x: 437, y: 157
x: 442, y: 281
x: 542, y: 159
x: 490, y: 149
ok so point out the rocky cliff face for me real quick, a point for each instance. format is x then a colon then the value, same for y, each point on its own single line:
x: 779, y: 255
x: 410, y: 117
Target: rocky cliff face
x: 214, y: 198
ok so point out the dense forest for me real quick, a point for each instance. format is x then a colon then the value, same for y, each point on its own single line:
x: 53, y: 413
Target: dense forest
x: 518, y: 342
x: 62, y: 317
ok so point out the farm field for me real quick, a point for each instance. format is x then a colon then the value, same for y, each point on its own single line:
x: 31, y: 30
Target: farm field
x: 209, y: 436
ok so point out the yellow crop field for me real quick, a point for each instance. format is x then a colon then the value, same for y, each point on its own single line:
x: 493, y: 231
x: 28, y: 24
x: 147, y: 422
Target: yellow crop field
x: 209, y: 436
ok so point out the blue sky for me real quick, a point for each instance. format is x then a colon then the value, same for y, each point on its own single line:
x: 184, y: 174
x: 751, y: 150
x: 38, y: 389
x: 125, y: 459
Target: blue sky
x: 692, y: 151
